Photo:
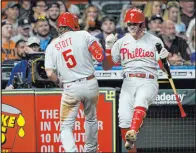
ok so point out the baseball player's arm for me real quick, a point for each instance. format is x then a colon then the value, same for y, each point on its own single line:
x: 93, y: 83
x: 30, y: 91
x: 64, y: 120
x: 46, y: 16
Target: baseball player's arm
x: 94, y: 47
x: 161, y: 66
x: 162, y: 55
x: 110, y: 52
x: 50, y: 66
x: 10, y: 82
x: 97, y: 51
x: 107, y: 62
x: 53, y: 77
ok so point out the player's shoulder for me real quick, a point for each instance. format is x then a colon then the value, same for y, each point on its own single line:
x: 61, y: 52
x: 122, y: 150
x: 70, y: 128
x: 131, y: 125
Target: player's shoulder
x: 53, y: 40
x: 122, y: 39
x: 82, y: 32
x: 51, y: 44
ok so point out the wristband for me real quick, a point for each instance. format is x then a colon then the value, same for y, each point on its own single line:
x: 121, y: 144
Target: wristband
x: 108, y: 52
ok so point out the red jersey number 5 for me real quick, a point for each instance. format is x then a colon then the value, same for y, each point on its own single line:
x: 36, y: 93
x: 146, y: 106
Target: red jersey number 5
x: 70, y: 60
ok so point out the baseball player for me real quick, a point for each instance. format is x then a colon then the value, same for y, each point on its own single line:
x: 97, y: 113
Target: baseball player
x: 138, y: 56
x: 70, y: 55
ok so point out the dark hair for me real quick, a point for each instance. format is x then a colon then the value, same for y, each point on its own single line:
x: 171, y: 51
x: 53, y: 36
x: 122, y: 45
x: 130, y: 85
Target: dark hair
x: 33, y: 45
x: 19, y: 41
x: 108, y: 18
x: 54, y: 4
x: 64, y: 29
x: 34, y: 2
x: 66, y: 9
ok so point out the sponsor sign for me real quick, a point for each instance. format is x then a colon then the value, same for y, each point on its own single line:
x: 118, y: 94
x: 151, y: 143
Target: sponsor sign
x: 166, y: 96
x: 18, y: 122
x: 48, y: 123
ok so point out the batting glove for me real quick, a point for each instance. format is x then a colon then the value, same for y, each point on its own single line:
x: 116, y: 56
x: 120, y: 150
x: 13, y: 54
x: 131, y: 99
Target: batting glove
x: 110, y: 40
x: 163, y: 53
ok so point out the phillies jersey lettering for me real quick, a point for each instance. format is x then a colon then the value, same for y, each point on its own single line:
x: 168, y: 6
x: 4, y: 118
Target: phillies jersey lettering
x: 70, y: 55
x: 140, y: 55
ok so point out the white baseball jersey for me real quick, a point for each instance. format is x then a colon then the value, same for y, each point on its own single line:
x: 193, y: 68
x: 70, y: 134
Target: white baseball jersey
x: 69, y: 55
x: 137, y: 55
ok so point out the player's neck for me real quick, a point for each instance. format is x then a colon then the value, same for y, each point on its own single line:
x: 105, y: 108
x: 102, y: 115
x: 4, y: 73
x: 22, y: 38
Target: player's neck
x: 136, y: 37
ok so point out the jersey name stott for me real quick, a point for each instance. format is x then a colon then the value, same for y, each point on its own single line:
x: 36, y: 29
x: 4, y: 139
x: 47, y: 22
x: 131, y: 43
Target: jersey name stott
x: 63, y: 44
x: 138, y: 53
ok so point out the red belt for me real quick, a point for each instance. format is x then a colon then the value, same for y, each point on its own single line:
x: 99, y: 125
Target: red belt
x: 141, y: 75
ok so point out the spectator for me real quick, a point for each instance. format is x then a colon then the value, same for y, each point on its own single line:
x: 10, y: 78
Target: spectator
x: 73, y: 8
x: 152, y: 8
x: 25, y: 9
x: 42, y: 30
x: 121, y: 28
x: 33, y: 44
x: 188, y: 11
x: 39, y: 8
x: 19, y: 69
x: 19, y: 50
x: 173, y: 13
x: 155, y: 25
x: 91, y: 20
x: 7, y: 44
x: 52, y: 15
x: 108, y: 27
x: 12, y: 13
x: 24, y: 30
x: 177, y: 46
x: 139, y: 4
x: 22, y: 70
x: 62, y: 6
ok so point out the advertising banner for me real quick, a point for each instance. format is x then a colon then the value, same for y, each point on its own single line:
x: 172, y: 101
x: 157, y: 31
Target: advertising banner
x: 166, y: 96
x: 48, y: 124
x: 18, y: 121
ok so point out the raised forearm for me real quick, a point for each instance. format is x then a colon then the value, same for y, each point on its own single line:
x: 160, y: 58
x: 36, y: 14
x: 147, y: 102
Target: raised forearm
x: 107, y: 62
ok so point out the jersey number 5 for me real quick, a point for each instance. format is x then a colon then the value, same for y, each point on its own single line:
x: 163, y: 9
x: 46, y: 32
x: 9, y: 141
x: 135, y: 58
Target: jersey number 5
x: 70, y: 60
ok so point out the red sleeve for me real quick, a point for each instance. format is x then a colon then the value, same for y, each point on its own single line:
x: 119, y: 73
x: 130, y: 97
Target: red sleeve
x: 97, y: 51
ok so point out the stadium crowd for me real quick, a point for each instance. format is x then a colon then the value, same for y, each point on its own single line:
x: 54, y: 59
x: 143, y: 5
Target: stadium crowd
x: 29, y: 26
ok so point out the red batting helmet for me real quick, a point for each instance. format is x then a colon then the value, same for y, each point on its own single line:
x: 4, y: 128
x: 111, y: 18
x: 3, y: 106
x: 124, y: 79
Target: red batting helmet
x: 69, y: 20
x: 134, y: 16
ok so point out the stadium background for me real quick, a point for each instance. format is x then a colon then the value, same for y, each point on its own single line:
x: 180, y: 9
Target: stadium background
x: 164, y: 131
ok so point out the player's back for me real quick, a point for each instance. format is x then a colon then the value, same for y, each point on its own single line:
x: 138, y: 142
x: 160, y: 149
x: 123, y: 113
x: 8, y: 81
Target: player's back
x: 71, y: 55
